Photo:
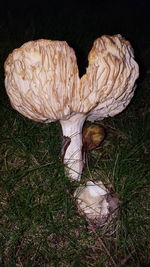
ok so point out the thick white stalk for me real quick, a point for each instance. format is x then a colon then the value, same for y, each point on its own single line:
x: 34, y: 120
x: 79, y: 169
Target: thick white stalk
x: 72, y: 131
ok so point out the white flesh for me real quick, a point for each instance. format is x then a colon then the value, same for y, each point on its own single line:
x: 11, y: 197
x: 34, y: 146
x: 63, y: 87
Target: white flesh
x: 73, y: 159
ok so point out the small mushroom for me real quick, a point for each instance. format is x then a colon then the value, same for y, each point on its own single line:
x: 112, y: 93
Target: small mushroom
x: 92, y: 137
x: 42, y: 82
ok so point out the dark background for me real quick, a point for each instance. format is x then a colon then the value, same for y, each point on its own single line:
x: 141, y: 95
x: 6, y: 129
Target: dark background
x: 77, y: 22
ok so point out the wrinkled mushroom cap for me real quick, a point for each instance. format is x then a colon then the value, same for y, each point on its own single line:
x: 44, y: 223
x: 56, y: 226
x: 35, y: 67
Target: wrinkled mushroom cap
x: 110, y: 77
x: 42, y: 79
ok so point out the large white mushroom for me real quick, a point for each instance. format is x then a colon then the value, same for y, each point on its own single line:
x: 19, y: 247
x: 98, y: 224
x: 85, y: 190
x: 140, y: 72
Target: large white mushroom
x: 42, y: 82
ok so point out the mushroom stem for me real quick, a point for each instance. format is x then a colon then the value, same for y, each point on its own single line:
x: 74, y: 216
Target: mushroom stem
x: 72, y: 129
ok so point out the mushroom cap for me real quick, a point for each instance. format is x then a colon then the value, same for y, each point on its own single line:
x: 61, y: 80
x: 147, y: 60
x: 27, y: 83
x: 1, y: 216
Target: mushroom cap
x: 43, y: 84
x: 41, y: 78
x: 110, y: 77
x: 92, y: 137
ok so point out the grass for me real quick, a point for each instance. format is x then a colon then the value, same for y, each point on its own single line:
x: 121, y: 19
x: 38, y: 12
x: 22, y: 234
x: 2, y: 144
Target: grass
x: 40, y: 224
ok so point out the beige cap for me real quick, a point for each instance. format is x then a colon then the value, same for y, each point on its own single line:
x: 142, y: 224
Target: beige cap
x: 41, y: 78
x: 43, y: 84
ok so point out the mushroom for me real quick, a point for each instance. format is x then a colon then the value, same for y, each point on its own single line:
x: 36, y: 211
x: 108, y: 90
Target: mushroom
x: 42, y: 82
x: 92, y: 137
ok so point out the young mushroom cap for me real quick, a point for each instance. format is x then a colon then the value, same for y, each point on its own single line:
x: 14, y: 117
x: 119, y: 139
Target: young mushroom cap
x: 92, y: 137
x: 42, y: 82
